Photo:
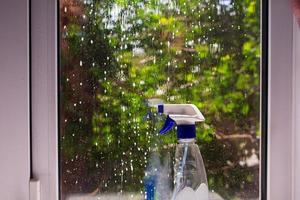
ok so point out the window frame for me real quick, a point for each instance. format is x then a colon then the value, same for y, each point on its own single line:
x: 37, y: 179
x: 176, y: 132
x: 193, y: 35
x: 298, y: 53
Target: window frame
x: 275, y: 113
x: 44, y: 100
x: 296, y: 112
x: 14, y: 107
x: 280, y: 102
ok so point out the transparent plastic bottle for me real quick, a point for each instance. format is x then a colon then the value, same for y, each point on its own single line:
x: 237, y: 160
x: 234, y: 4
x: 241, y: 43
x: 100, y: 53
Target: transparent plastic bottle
x: 190, y: 181
x: 190, y: 176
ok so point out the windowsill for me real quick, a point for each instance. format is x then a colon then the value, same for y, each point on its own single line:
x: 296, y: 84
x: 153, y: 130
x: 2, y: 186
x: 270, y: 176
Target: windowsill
x: 128, y: 196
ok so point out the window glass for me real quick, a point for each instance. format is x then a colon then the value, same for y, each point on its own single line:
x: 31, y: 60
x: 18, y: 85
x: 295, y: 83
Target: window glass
x: 119, y: 57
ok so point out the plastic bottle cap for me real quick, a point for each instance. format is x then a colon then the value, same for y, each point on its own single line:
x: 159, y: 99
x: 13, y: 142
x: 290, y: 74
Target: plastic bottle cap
x: 186, y: 131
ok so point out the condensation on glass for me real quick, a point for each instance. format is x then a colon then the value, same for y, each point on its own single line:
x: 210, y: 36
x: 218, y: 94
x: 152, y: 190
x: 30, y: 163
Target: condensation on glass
x: 117, y: 57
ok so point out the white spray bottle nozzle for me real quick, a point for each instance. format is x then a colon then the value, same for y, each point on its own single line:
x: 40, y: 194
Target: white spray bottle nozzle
x: 183, y: 115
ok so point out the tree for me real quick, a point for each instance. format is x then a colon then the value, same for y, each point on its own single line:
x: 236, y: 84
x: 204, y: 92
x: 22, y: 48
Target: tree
x: 116, y: 55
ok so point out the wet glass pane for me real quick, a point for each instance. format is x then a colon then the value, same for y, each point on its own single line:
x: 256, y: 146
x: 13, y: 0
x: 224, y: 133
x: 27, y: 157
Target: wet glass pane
x: 120, y: 57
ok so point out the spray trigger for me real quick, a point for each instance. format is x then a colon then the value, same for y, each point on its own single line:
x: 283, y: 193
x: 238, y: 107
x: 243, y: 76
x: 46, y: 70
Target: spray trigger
x: 168, y: 125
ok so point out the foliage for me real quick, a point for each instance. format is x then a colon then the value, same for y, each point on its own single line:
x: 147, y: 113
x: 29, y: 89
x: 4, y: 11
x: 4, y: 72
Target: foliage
x: 116, y: 55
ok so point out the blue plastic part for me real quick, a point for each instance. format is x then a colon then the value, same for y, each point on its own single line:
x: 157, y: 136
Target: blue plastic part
x: 186, y: 131
x: 168, y: 125
x: 160, y: 108
x: 150, y: 183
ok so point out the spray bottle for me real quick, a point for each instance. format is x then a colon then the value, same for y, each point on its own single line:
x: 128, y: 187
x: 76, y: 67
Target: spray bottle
x: 189, y: 171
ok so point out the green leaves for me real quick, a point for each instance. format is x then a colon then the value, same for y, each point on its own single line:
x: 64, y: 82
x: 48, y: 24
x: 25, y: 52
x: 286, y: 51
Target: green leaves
x: 194, y: 51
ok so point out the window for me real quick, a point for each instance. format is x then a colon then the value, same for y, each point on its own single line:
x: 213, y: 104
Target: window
x: 117, y: 57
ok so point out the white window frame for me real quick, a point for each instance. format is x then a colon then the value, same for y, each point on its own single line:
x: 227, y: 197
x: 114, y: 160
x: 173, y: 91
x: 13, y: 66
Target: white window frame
x: 296, y: 113
x: 280, y: 100
x: 44, y: 100
x: 14, y: 100
x: 283, y: 105
x: 283, y: 112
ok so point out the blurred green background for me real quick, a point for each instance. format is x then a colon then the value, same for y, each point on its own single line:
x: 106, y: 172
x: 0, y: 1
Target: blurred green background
x: 115, y: 55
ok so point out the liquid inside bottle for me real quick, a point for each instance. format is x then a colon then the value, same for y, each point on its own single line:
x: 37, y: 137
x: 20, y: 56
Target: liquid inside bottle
x: 190, y: 176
